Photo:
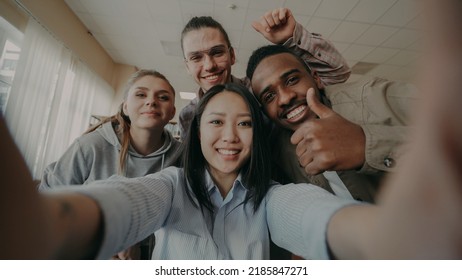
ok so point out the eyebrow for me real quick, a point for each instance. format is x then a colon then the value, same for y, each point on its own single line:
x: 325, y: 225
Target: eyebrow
x: 223, y: 114
x: 207, y: 50
x: 282, y: 77
x: 158, y: 91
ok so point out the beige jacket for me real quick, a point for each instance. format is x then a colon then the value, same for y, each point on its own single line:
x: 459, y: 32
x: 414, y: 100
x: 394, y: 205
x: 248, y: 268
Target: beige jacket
x: 381, y: 108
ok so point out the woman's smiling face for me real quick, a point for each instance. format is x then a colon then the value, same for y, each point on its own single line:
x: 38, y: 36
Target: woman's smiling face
x: 226, y: 134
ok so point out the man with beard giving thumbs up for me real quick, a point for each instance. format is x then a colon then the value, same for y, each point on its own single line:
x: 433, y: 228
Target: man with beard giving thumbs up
x: 343, y: 138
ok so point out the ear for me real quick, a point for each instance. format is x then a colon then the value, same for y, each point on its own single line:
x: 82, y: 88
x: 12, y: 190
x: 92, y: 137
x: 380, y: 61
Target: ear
x: 173, y: 112
x: 124, y: 108
x: 232, y: 55
x: 317, y: 80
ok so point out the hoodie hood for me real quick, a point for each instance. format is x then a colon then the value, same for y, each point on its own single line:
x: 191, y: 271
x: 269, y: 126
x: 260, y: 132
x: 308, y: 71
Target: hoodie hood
x: 107, y: 131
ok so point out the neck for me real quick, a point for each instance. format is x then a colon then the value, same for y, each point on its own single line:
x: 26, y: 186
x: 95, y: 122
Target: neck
x: 145, y: 141
x: 224, y: 182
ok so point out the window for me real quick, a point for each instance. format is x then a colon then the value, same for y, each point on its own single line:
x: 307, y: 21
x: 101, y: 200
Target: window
x: 10, y: 40
x: 51, y: 99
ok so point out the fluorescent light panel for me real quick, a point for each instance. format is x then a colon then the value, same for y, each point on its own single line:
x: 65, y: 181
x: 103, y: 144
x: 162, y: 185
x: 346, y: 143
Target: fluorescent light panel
x: 187, y: 95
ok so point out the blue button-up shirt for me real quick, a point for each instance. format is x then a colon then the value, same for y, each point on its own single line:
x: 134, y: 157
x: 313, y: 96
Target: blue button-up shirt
x: 295, y: 214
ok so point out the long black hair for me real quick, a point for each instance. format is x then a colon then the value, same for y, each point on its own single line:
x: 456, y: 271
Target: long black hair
x: 256, y: 172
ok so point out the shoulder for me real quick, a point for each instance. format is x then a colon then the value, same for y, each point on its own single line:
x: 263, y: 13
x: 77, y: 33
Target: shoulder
x: 189, y: 108
x: 369, y: 86
x: 172, y: 176
x: 94, y: 138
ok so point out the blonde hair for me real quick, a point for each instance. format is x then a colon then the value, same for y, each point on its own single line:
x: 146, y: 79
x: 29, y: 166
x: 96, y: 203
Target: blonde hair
x: 121, y: 122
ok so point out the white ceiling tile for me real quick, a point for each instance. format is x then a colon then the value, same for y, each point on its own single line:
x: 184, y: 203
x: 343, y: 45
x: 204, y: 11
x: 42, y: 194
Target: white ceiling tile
x: 172, y: 48
x: 234, y: 37
x: 102, y: 7
x: 169, y: 31
x: 265, y: 5
x: 242, y: 4
x: 357, y: 52
x: 376, y: 35
x: 302, y: 19
x: 351, y: 63
x: 191, y: 9
x: 403, y: 58
x: 167, y: 11
x: 380, y: 55
x: 323, y: 26
x: 383, y: 70
x: 302, y: 7
x: 369, y: 10
x: 335, y: 9
x: 89, y: 22
x: 122, y: 43
x: 401, y: 39
x: 341, y: 47
x: 134, y: 8
x: 252, y: 41
x: 111, y: 25
x: 239, y: 69
x: 131, y: 31
x: 402, y: 12
x: 230, y: 19
x: 348, y: 32
x: 242, y: 56
x: 208, y: 2
x: 252, y: 15
x: 76, y: 6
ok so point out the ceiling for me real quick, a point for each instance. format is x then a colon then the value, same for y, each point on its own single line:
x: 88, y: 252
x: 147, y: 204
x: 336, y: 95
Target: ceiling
x: 377, y: 37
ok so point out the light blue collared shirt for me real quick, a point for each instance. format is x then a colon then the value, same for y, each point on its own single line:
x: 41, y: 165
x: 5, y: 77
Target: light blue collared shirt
x: 295, y: 214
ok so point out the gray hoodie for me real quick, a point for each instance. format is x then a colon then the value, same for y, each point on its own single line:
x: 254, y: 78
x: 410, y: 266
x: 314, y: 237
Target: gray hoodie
x: 95, y: 156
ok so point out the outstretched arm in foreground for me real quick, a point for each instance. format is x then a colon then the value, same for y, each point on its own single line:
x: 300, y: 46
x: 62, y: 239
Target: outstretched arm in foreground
x: 420, y: 211
x: 39, y: 226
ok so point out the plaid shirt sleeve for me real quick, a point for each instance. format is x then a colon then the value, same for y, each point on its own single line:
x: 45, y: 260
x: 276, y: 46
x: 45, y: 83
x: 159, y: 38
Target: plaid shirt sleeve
x: 320, y: 55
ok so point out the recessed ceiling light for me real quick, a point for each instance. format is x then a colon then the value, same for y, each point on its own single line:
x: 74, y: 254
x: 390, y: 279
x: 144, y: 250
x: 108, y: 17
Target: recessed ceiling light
x: 187, y: 95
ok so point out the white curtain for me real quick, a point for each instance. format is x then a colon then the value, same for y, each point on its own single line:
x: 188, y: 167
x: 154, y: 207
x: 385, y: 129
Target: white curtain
x: 50, y: 103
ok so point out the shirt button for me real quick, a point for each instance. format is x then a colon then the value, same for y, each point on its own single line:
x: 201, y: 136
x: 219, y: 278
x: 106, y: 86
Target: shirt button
x: 388, y: 162
x: 299, y: 42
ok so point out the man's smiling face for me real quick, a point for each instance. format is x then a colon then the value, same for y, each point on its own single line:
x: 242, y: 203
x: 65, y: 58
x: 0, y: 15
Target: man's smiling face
x: 280, y: 83
x: 208, y: 57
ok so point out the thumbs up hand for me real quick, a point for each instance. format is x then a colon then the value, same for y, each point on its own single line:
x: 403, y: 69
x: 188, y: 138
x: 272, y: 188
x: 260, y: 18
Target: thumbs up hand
x: 329, y: 142
x: 276, y: 26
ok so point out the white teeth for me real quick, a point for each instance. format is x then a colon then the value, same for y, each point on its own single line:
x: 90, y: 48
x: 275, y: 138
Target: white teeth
x: 296, y: 112
x: 211, y: 77
x: 227, y: 152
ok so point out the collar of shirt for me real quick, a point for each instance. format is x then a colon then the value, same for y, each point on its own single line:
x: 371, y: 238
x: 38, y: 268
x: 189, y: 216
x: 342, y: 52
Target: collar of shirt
x: 237, y: 193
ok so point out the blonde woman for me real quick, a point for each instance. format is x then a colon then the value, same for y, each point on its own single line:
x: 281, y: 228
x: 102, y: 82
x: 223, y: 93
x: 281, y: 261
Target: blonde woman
x: 132, y: 143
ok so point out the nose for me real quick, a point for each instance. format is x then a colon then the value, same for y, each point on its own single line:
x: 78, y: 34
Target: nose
x: 229, y: 134
x: 285, y: 96
x: 209, y: 62
x: 151, y: 101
